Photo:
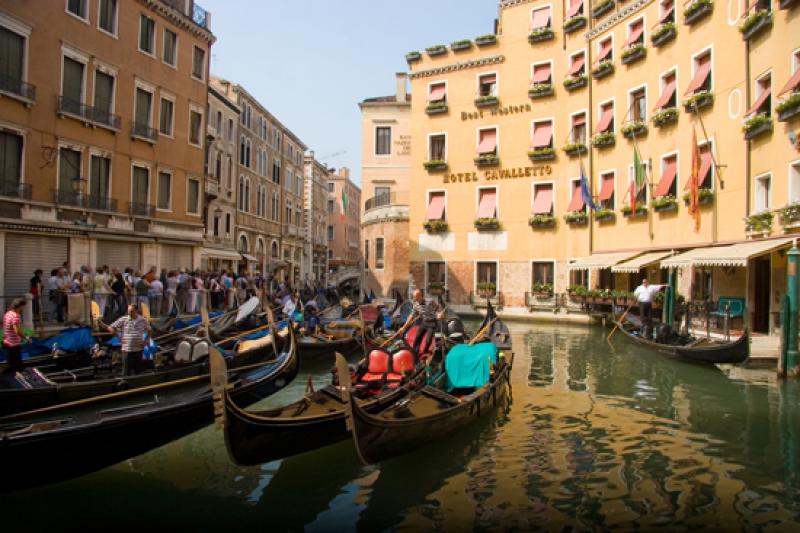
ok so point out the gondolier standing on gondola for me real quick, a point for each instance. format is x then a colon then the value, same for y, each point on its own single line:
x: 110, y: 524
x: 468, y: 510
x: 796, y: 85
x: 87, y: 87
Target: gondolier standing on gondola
x: 644, y: 294
x: 132, y: 328
x: 427, y: 314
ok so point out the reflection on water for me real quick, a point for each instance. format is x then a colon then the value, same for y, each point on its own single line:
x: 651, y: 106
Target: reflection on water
x: 598, y: 435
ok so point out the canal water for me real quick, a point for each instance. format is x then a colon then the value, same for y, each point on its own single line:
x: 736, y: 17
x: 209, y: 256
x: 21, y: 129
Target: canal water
x: 599, y: 435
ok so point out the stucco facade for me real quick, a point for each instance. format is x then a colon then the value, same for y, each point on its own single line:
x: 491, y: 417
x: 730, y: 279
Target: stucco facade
x: 343, y: 204
x: 315, y: 258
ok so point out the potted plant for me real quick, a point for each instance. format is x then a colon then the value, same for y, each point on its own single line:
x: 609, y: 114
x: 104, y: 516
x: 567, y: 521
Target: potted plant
x: 575, y: 82
x: 540, y: 89
x: 576, y: 218
x: 575, y: 149
x: 542, y: 221
x: 486, y: 289
x: 789, y: 215
x: 542, y: 154
x: 435, y: 288
x: 698, y: 101
x: 435, y: 108
x: 542, y: 290
x: 755, y: 22
x: 485, y: 40
x: 628, y: 212
x: 486, y: 101
x: 487, y: 224
x: 575, y: 23
x: 789, y: 107
x: 759, y: 222
x: 436, y: 50
x: 603, y: 69
x: 634, y: 129
x: 462, y: 44
x: 756, y: 125
x: 487, y: 160
x: 705, y: 196
x: 413, y: 56
x: 576, y: 292
x: 602, y: 7
x: 668, y: 202
x: 665, y: 116
x: 435, y: 165
x: 663, y: 34
x: 541, y: 34
x: 696, y: 10
x: 436, y: 226
x: 633, y: 53
x: 604, y: 215
x: 603, y: 140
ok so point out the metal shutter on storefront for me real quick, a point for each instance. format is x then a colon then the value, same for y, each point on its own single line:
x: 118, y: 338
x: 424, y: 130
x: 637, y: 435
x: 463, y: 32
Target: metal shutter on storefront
x: 25, y: 253
x: 174, y: 257
x: 119, y: 255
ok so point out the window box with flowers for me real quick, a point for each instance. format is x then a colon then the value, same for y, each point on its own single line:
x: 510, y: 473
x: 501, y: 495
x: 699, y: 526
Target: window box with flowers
x: 634, y: 129
x: 436, y: 50
x: 663, y: 34
x: 436, y: 288
x: 486, y: 40
x: 413, y: 56
x: 605, y: 139
x: 575, y: 23
x: 541, y: 34
x: 436, y: 226
x: 461, y: 45
x: 487, y: 101
x: 436, y: 108
x: 759, y: 222
x: 633, y: 53
x: 665, y: 116
x: 542, y: 221
x: 577, y: 293
x: 435, y: 165
x: 698, y: 101
x: 789, y: 216
x: 602, y: 7
x: 705, y: 196
x: 758, y: 20
x: 576, y: 218
x: 487, y: 160
x: 697, y: 10
x: 575, y: 82
x: 627, y: 212
x: 543, y: 290
x: 665, y: 203
x: 486, y: 289
x: 789, y: 107
x: 575, y: 149
x: 756, y: 125
x: 604, y: 215
x: 542, y: 154
x: 487, y: 224
x: 538, y: 90
x: 603, y: 69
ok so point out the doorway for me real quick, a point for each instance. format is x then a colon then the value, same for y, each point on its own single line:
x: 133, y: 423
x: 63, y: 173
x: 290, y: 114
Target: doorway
x: 761, y: 297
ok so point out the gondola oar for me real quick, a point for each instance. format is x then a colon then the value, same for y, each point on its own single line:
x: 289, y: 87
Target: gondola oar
x: 620, y: 321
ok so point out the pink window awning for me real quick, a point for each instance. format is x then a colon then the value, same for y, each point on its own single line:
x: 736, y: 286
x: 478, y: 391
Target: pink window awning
x: 669, y: 9
x: 607, y: 190
x: 604, y: 51
x: 792, y: 84
x: 637, y: 28
x: 541, y: 19
x: 488, y: 79
x: 574, y: 7
x: 543, y: 200
x: 703, y: 70
x: 576, y: 203
x: 605, y: 119
x: 577, y: 64
x: 542, y: 134
x: 759, y: 101
x: 435, y: 207
x: 579, y: 120
x: 705, y: 166
x: 666, y: 94
x: 487, y: 207
x: 437, y: 93
x: 667, y: 177
x: 541, y: 73
x: 488, y: 142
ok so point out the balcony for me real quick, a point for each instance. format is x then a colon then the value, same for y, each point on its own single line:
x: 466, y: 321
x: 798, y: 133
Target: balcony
x: 212, y: 187
x: 144, y: 132
x: 101, y: 203
x: 384, y: 200
x: 87, y: 113
x: 69, y: 198
x: 137, y: 209
x: 191, y: 10
x: 20, y: 191
x: 17, y: 89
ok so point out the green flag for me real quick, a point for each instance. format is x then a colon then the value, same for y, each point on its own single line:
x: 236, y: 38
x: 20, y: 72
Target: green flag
x: 344, y: 203
x: 638, y: 178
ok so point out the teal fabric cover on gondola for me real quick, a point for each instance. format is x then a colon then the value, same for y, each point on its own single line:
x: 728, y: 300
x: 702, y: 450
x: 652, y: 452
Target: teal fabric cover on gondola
x: 468, y: 366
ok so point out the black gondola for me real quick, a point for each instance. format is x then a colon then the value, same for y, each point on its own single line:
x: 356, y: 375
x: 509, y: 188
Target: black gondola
x: 689, y: 348
x: 70, y: 440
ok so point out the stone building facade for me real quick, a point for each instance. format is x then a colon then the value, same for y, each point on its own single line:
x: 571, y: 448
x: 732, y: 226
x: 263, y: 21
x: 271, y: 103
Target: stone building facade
x: 344, y: 221
x: 316, y: 219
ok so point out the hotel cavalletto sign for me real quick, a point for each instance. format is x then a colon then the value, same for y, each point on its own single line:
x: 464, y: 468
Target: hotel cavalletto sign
x: 499, y: 174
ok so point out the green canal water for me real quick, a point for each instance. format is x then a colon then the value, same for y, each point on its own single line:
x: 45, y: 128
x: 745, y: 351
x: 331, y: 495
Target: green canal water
x: 598, y: 436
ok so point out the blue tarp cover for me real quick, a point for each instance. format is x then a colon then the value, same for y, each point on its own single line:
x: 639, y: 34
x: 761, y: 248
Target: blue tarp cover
x: 181, y: 324
x: 468, y: 366
x: 70, y: 340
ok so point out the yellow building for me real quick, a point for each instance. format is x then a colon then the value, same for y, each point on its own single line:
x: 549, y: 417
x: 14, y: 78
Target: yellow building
x: 102, y: 125
x: 501, y: 126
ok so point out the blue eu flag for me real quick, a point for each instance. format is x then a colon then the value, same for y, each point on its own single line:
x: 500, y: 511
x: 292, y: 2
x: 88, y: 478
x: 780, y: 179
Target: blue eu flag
x: 586, y: 195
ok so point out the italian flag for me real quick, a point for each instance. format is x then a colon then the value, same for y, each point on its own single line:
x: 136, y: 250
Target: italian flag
x: 344, y: 204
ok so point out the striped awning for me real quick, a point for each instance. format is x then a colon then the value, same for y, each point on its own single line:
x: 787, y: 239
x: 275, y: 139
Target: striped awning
x: 217, y: 253
x: 600, y: 261
x: 734, y: 255
x: 632, y: 266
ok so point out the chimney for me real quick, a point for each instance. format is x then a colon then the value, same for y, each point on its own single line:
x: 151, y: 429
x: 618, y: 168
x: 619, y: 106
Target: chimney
x: 344, y: 172
x: 401, y: 79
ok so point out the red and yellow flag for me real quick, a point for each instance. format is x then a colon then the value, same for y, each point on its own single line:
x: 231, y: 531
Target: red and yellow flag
x: 694, y: 180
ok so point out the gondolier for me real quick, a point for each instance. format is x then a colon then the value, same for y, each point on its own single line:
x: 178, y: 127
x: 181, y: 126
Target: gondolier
x: 644, y: 294
x: 427, y: 314
x: 133, y: 328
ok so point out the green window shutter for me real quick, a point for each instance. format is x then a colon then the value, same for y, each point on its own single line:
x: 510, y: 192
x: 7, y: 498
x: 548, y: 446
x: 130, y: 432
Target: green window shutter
x: 73, y: 80
x: 143, y: 102
x: 10, y: 157
x: 103, y: 91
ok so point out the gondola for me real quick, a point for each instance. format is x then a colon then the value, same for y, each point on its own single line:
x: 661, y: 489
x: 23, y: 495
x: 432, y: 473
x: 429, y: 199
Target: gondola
x: 431, y: 412
x: 694, y: 349
x: 58, y: 443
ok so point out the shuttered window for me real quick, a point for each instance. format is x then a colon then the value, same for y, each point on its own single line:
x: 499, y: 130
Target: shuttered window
x: 144, y: 100
x: 69, y: 169
x: 103, y: 91
x: 12, y: 50
x: 99, y: 179
x: 108, y: 16
x: 10, y: 158
x: 141, y: 178
x: 72, y: 84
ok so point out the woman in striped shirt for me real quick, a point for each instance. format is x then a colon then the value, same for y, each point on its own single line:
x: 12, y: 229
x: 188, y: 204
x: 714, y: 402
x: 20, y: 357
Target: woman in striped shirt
x: 13, y: 335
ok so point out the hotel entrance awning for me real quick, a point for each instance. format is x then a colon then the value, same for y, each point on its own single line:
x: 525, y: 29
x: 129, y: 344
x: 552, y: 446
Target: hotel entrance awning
x: 600, y: 261
x: 734, y: 255
x: 250, y: 258
x: 216, y: 253
x: 633, y: 266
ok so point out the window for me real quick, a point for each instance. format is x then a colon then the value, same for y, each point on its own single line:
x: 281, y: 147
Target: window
x: 69, y: 170
x: 668, y: 184
x: 607, y: 194
x: 706, y: 172
x: 165, y: 122
x: 99, y: 181
x: 78, y: 8
x: 543, y: 272
x: 579, y: 277
x: 575, y: 8
x: 637, y: 103
x: 170, y: 55
x: 227, y: 224
x: 702, y: 78
x: 643, y: 195
x: 702, y: 286
x: 668, y: 98
x: 140, y: 184
x: 794, y: 182
x: 218, y: 167
x: 379, y: 253
x: 199, y: 64
x: 667, y: 12
x: 635, y: 34
x: 763, y: 93
x: 542, y: 73
x: 487, y: 85
x: 576, y: 202
x: 330, y: 186
x: 605, y: 122
x: 437, y: 206
x: 195, y: 125
x: 230, y: 130
x: 437, y: 147
x: 107, y: 19
x: 330, y: 206
x: 540, y: 18
x: 366, y: 253
x: 437, y: 272
x: 12, y: 60
x: 578, y: 132
x: 605, y: 50
x: 542, y: 199
x: 147, y: 35
x: 72, y: 86
x: 144, y: 101
x: 219, y: 124
x: 330, y: 232
x: 763, y: 193
x: 542, y: 134
x: 487, y: 202
x: 486, y: 272
x: 243, y: 245
x: 247, y: 194
x: 241, y: 194
x: 383, y: 140
x: 103, y: 96
x: 164, y: 191
x: 487, y: 141
x: 383, y: 196
x: 437, y: 93
x: 577, y: 64
x: 276, y: 171
x: 10, y: 161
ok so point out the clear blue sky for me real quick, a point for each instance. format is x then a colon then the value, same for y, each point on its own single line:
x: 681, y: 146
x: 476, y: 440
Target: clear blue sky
x: 310, y: 62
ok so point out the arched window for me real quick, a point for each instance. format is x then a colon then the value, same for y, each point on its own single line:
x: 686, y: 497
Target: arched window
x: 275, y: 249
x: 230, y: 173
x: 243, y: 248
x: 263, y: 201
x: 247, y: 195
x: 260, y: 251
x: 241, y: 193
x: 242, y: 150
x: 219, y: 166
x: 248, y: 146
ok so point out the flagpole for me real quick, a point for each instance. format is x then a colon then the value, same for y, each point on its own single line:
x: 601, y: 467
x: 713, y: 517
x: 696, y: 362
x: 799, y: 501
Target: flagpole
x: 646, y: 178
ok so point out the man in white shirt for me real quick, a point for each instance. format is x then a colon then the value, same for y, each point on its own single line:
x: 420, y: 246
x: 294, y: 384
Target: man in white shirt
x: 644, y: 294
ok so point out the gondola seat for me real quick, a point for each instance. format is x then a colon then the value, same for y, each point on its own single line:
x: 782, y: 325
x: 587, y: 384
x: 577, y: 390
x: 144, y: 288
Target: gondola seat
x: 377, y: 366
x: 402, y: 362
x: 411, y: 336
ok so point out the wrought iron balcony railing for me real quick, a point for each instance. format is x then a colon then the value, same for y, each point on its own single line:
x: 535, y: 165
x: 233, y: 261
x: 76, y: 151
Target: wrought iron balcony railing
x: 13, y: 189
x: 383, y: 200
x: 140, y: 209
x: 69, y: 198
x: 17, y: 87
x: 102, y: 117
x: 143, y: 131
x: 101, y: 203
